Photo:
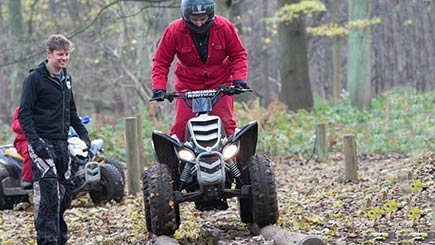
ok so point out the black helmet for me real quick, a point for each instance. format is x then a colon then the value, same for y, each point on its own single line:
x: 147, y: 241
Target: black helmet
x: 197, y: 7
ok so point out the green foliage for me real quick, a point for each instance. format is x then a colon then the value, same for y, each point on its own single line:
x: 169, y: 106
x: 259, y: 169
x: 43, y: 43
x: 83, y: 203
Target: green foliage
x: 307, y: 8
x: 291, y: 12
x: 335, y: 30
x: 401, y: 120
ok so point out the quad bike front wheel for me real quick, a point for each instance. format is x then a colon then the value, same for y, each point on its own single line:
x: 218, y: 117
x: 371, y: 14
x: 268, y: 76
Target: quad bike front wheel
x: 262, y: 208
x: 162, y: 215
x: 117, y: 165
x: 110, y: 187
x: 146, y: 202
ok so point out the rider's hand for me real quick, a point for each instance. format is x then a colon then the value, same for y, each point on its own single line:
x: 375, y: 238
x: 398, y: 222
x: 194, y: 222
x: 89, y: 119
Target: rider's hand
x: 240, y: 84
x: 159, y: 95
x: 41, y: 149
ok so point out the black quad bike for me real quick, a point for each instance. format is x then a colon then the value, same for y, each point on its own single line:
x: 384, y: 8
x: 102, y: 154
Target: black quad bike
x: 101, y: 178
x: 208, y: 168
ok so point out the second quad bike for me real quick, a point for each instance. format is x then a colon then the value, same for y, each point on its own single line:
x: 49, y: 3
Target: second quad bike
x: 208, y: 168
x: 101, y: 177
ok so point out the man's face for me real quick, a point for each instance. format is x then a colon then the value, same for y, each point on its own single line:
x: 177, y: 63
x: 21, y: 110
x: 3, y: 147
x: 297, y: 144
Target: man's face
x: 58, y: 58
x: 198, y: 20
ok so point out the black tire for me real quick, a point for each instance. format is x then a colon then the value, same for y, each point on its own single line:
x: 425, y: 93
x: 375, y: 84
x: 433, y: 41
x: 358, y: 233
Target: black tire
x: 110, y: 187
x: 245, y: 210
x: 245, y: 204
x: 161, y: 212
x: 264, y: 197
x: 8, y: 202
x: 118, y: 165
x: 146, y: 202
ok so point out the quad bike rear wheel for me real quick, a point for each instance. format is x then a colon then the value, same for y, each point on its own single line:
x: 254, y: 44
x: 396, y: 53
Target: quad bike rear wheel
x: 110, y: 187
x: 162, y: 215
x: 262, y: 208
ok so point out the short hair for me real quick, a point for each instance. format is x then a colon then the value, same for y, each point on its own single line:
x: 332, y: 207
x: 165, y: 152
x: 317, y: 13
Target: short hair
x: 59, y: 42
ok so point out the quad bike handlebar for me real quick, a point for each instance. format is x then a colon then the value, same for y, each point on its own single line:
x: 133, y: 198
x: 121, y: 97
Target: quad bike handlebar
x: 209, y: 93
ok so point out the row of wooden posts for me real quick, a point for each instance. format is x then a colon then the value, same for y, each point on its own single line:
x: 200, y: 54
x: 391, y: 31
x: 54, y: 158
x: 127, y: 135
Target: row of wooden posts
x: 136, y: 160
x: 349, y: 151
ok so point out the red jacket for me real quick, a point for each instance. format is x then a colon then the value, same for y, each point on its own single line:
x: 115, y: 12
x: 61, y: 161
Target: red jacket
x: 20, y: 140
x: 226, y: 61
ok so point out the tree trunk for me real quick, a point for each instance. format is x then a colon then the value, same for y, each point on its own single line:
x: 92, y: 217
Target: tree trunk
x: 222, y: 7
x: 358, y: 83
x: 16, y: 32
x: 265, y: 51
x: 336, y: 64
x: 296, y: 90
x: 283, y: 237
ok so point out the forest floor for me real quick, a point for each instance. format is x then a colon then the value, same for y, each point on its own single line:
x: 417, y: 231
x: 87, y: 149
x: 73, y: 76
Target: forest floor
x: 391, y: 203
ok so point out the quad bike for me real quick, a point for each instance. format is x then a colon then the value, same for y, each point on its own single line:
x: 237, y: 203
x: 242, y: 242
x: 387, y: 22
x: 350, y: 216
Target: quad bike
x: 208, y: 168
x: 11, y: 192
x: 102, y: 178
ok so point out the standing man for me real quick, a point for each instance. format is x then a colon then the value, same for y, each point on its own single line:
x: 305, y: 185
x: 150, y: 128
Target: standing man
x: 209, y: 54
x: 47, y: 110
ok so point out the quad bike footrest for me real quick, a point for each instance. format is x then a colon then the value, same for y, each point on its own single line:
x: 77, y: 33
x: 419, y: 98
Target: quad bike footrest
x: 12, y: 187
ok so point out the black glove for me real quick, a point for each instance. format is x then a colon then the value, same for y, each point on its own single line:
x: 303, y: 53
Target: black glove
x: 87, y: 141
x: 240, y: 84
x: 159, y: 95
x: 41, y: 149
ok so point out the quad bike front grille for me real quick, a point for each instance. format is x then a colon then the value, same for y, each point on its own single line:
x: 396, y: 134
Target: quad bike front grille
x: 205, y: 131
x: 210, y: 165
x: 210, y: 170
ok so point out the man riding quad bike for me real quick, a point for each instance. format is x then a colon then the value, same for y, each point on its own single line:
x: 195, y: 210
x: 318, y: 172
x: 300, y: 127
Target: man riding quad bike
x: 208, y: 168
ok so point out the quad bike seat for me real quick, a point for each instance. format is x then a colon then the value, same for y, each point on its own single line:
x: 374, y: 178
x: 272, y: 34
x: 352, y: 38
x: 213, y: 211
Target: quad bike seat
x: 12, y: 152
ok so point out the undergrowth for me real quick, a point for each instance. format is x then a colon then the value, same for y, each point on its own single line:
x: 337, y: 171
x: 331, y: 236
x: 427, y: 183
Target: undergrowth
x: 400, y: 120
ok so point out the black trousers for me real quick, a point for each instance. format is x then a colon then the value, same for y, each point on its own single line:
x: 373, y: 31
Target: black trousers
x: 52, y: 187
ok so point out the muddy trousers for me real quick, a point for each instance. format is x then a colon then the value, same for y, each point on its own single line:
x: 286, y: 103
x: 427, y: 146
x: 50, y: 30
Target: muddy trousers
x: 52, y: 189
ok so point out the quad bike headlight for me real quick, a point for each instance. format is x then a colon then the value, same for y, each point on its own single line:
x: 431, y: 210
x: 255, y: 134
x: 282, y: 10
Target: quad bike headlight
x: 230, y: 150
x: 186, y: 154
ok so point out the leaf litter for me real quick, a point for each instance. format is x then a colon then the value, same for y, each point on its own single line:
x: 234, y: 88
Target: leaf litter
x: 391, y: 203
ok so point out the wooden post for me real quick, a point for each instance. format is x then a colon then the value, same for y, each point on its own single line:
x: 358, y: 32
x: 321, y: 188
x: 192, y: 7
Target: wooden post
x: 350, y: 157
x: 322, y: 142
x: 140, y: 143
x: 133, y: 183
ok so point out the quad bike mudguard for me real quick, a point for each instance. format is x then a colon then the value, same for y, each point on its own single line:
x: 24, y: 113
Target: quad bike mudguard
x: 164, y: 149
x: 247, y: 135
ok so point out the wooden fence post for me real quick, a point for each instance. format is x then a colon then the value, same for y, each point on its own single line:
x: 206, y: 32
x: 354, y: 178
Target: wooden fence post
x: 140, y: 143
x: 350, y: 157
x: 322, y: 142
x: 132, y: 155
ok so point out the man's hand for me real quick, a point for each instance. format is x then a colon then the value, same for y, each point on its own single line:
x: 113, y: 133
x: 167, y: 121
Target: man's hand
x: 159, y: 95
x: 87, y: 141
x: 41, y: 149
x: 240, y: 84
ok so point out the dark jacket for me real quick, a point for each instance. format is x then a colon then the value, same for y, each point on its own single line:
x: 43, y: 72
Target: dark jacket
x: 47, y: 108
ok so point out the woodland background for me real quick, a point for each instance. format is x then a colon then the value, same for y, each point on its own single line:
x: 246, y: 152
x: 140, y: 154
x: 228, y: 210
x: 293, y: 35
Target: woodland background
x: 115, y: 41
x: 393, y: 200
